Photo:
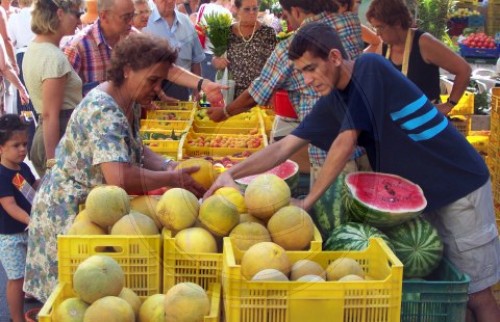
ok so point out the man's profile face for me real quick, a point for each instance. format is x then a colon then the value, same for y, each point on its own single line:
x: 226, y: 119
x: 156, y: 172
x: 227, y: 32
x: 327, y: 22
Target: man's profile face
x: 119, y: 18
x: 321, y: 74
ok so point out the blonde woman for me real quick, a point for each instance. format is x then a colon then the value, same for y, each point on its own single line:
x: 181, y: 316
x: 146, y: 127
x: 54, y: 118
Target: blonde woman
x: 54, y: 86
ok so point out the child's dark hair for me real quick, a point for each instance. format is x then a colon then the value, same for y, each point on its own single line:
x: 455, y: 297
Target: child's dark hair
x: 10, y: 123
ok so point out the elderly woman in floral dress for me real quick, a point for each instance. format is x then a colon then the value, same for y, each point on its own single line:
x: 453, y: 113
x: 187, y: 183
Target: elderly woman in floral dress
x: 102, y: 145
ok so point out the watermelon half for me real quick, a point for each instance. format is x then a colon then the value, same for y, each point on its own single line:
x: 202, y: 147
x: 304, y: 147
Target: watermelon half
x: 288, y: 171
x: 418, y: 246
x: 382, y: 200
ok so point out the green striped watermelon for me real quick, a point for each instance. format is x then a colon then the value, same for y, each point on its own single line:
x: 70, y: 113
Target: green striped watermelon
x: 353, y: 236
x: 417, y: 245
x: 381, y: 199
x: 328, y: 211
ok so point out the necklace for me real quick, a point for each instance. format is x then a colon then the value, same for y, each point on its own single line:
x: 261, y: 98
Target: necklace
x: 247, y: 41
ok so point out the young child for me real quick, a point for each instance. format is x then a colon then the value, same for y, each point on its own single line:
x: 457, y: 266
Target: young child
x: 16, y: 195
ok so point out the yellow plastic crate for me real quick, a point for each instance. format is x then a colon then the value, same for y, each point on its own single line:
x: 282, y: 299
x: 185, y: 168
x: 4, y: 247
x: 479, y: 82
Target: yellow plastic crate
x: 462, y: 123
x: 465, y: 104
x: 169, y: 148
x: 156, y: 134
x: 248, y: 119
x: 200, y: 268
x: 169, y: 125
x: 181, y: 105
x: 199, y: 127
x: 479, y: 142
x: 139, y: 257
x: 170, y: 115
x: 64, y: 291
x: 367, y: 301
x: 189, y: 149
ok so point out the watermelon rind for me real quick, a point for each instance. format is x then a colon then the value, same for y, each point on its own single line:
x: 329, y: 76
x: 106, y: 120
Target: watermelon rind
x: 291, y: 177
x: 418, y: 246
x: 353, y: 236
x: 328, y: 211
x: 366, y: 212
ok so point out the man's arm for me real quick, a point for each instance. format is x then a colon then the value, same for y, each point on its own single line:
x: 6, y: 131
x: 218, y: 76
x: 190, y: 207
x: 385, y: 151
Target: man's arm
x: 8, y: 44
x: 339, y: 153
x: 259, y: 162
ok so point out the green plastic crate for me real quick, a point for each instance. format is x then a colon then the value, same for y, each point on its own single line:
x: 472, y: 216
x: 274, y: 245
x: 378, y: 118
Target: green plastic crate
x: 442, y: 297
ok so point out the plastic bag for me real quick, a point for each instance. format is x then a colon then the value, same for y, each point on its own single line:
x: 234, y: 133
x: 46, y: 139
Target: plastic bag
x: 225, y: 80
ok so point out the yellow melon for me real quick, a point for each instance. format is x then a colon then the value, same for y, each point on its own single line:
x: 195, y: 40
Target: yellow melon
x: 265, y: 195
x: 306, y: 267
x: 109, y: 309
x: 205, y: 176
x: 310, y: 278
x: 98, y: 276
x: 106, y: 204
x: 146, y: 205
x: 70, y: 310
x: 153, y: 309
x: 245, y: 217
x: 292, y: 228
x: 264, y: 255
x: 85, y: 227
x: 186, y: 302
x: 135, y: 224
x: 82, y: 215
x: 351, y: 278
x: 195, y: 240
x: 218, y: 215
x: 343, y: 266
x: 269, y: 274
x: 132, y: 299
x: 177, y: 209
x: 234, y: 196
x: 247, y: 234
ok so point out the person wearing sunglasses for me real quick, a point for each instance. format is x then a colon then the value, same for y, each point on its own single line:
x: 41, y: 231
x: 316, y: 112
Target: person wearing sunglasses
x: 54, y: 86
x: 142, y: 13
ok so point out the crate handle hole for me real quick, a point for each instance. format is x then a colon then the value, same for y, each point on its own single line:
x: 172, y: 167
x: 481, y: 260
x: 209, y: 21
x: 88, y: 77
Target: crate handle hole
x: 108, y: 249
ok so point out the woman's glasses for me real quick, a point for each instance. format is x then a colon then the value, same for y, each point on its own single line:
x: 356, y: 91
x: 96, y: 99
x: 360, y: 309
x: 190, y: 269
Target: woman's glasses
x: 250, y: 9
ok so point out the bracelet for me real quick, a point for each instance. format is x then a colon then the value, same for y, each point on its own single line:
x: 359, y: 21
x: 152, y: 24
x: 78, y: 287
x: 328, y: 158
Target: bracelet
x: 50, y: 163
x: 452, y: 103
x: 165, y: 163
x: 226, y: 113
x: 200, y: 82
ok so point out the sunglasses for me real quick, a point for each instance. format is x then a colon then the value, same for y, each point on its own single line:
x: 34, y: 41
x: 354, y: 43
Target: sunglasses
x: 250, y: 9
x: 77, y: 13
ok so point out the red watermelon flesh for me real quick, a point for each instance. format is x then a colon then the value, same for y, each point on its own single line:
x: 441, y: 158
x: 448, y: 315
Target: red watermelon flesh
x: 382, y: 199
x: 285, y: 171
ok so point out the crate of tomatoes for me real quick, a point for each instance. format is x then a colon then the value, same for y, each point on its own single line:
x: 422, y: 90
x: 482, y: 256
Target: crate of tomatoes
x: 479, y: 45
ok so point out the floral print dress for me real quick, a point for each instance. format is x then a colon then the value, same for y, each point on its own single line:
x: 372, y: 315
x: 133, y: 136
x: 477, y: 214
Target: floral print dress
x: 248, y: 57
x: 97, y: 132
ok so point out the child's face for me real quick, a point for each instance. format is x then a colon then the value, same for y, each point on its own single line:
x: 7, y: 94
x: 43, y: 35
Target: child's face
x: 15, y: 149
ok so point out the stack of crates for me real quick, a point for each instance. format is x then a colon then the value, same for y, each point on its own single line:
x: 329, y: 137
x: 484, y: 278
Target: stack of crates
x: 163, y: 129
x: 493, y: 17
x: 493, y: 159
x: 461, y: 115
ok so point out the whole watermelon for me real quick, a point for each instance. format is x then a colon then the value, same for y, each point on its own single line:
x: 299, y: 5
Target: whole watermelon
x: 328, y: 211
x: 353, y: 236
x: 382, y: 200
x: 418, y: 246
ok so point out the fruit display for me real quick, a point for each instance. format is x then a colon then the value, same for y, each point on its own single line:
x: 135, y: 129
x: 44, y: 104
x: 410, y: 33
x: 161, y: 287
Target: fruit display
x: 205, y: 175
x: 225, y: 141
x: 479, y: 40
x: 381, y: 199
x: 463, y: 13
x: 288, y: 171
x: 265, y: 195
x: 106, y: 204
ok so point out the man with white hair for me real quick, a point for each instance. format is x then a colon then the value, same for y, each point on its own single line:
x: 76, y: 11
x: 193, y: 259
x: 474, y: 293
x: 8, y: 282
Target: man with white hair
x: 90, y: 50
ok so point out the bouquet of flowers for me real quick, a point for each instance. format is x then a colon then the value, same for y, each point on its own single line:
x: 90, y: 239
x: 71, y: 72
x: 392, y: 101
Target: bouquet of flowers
x: 218, y: 28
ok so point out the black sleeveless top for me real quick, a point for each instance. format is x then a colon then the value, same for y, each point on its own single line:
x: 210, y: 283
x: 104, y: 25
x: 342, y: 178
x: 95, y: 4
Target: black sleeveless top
x: 425, y: 76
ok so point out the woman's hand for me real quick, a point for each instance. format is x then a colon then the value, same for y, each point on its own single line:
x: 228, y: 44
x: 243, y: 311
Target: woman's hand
x: 182, y: 179
x: 214, y: 92
x: 220, y: 62
x: 23, y: 94
x: 216, y: 113
x: 444, y: 108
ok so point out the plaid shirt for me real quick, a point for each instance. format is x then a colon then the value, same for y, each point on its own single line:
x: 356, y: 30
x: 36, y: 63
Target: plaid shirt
x: 279, y: 73
x: 89, y: 54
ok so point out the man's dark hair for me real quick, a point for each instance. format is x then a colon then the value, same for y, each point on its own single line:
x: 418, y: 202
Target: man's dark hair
x: 316, y: 38
x: 310, y: 6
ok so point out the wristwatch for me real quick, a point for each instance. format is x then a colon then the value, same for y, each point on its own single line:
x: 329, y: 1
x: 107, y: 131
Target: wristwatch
x: 452, y: 103
x: 165, y: 164
x: 200, y: 82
